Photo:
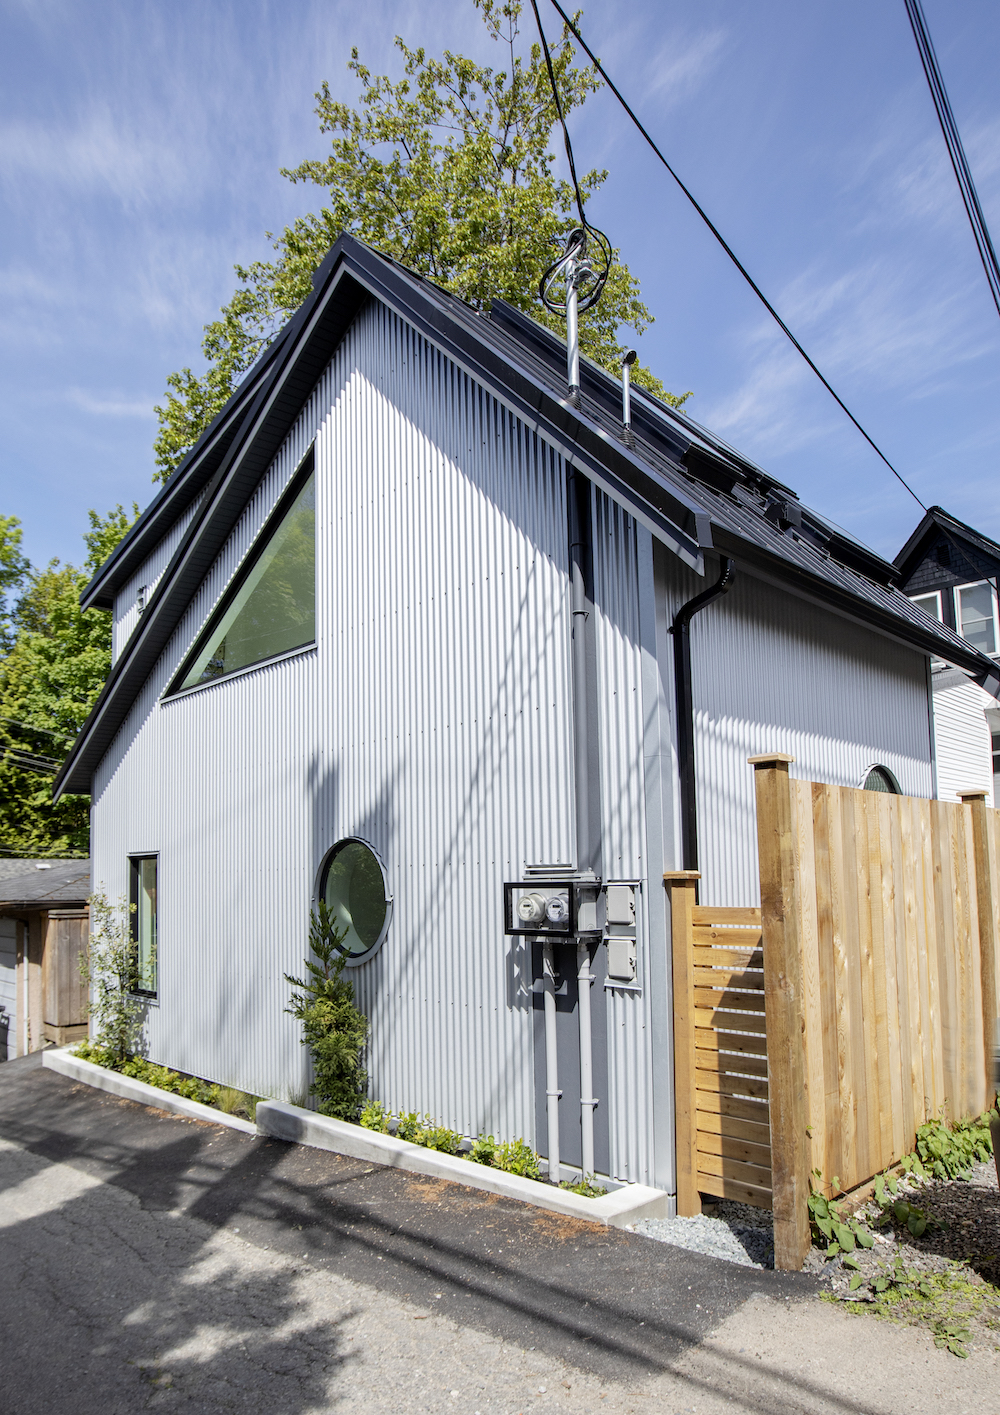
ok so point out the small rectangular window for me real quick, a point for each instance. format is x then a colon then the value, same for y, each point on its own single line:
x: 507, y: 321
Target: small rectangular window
x: 995, y: 736
x: 976, y: 616
x: 929, y: 603
x: 142, y: 898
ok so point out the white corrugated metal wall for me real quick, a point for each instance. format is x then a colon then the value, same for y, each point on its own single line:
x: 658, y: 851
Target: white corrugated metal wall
x: 126, y: 612
x: 623, y: 804
x: 433, y: 720
x: 771, y: 672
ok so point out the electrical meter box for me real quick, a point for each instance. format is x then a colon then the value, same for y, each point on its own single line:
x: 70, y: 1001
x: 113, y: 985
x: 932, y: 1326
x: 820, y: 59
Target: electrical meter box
x: 558, y: 907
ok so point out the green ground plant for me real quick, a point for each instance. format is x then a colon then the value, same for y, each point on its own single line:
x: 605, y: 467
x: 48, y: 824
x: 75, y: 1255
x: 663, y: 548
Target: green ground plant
x: 586, y: 1186
x: 332, y: 1027
x: 946, y: 1303
x: 374, y: 1116
x: 949, y: 1151
x: 233, y: 1101
x: 833, y: 1228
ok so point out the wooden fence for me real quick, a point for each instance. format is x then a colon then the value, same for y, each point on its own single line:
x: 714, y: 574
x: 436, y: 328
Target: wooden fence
x: 879, y: 951
x: 724, y: 1142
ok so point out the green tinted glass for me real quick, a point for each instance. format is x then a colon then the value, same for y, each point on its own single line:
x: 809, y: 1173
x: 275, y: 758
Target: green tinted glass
x: 274, y: 609
x: 144, y: 922
x: 354, y: 890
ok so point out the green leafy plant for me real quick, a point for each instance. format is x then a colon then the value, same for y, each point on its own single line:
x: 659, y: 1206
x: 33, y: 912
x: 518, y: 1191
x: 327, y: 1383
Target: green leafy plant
x: 902, y: 1213
x: 332, y: 1027
x: 409, y: 1127
x: 109, y: 969
x: 375, y: 1117
x: 483, y: 1151
x: 950, y: 1151
x: 830, y: 1224
x: 439, y: 1137
x: 946, y: 1303
x: 517, y: 1157
x: 192, y: 1088
x: 587, y: 1187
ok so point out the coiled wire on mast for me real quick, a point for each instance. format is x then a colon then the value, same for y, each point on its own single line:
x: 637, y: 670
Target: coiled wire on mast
x: 586, y: 258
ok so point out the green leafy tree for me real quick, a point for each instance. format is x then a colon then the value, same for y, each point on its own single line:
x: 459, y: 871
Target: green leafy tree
x: 13, y: 568
x: 450, y: 171
x: 332, y: 1027
x: 50, y: 677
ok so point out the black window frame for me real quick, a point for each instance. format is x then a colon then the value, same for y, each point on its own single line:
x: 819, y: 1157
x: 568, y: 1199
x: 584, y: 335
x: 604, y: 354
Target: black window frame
x: 261, y: 540
x: 134, y: 877
x: 880, y: 770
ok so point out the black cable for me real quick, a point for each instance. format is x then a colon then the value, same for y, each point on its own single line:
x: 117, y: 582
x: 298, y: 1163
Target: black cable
x: 956, y: 152
x: 732, y: 254
x: 559, y: 110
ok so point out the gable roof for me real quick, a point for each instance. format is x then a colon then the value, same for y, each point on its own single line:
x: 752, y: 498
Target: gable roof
x: 43, y: 884
x: 692, y: 490
x: 976, y: 555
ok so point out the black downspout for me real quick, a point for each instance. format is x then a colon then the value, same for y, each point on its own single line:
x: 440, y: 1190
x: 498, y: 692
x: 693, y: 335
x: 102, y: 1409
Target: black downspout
x: 681, y: 630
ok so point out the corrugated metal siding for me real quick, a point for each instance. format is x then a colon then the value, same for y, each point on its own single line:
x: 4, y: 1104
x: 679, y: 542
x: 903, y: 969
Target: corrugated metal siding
x: 8, y: 989
x: 433, y: 720
x: 961, y: 735
x: 619, y: 659
x: 773, y: 673
x: 126, y: 611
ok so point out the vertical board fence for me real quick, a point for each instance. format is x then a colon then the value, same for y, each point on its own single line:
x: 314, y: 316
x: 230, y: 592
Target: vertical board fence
x: 880, y: 926
x: 723, y: 1136
x: 819, y: 1033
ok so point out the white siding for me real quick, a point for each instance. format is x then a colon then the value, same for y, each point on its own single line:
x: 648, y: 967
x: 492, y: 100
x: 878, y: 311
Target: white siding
x: 961, y: 735
x: 432, y: 720
x: 8, y: 988
x: 771, y: 672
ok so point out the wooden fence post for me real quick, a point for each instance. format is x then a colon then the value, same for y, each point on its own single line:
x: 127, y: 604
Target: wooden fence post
x: 784, y: 1006
x: 683, y: 889
x: 986, y: 899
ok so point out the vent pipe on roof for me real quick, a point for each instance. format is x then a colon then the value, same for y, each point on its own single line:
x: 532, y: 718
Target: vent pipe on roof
x: 627, y: 363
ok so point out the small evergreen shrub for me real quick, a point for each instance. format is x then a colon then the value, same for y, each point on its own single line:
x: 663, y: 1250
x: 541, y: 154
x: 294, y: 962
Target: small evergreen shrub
x: 332, y: 1027
x: 109, y: 969
x: 483, y: 1150
x: 516, y: 1157
x: 408, y: 1127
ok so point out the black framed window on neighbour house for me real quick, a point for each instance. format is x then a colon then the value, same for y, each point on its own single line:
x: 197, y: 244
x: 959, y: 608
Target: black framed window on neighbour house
x: 144, y: 922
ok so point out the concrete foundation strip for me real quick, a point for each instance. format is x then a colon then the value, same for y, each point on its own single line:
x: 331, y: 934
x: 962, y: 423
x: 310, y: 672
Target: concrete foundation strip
x: 303, y: 1127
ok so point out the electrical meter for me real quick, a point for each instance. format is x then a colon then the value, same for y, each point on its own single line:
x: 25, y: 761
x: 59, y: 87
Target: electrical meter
x: 558, y: 906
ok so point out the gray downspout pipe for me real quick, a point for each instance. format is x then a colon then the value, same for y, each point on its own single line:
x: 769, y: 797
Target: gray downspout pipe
x: 681, y: 630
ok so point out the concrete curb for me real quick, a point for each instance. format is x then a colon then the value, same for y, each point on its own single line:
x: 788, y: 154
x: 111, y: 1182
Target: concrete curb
x: 61, y: 1059
x: 304, y: 1127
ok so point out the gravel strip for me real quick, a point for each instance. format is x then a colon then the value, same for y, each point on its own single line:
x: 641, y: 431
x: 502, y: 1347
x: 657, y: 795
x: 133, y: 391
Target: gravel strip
x: 735, y: 1232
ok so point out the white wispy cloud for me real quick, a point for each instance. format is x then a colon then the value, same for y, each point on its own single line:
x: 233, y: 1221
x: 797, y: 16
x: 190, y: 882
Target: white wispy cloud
x: 115, y: 406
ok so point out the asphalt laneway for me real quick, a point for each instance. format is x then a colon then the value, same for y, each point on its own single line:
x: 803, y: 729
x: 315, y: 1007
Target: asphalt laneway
x: 147, y: 1260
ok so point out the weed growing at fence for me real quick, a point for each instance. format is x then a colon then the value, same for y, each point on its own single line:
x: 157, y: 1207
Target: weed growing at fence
x: 949, y: 1151
x: 332, y: 1027
x: 587, y: 1187
x: 831, y: 1225
x: 946, y: 1303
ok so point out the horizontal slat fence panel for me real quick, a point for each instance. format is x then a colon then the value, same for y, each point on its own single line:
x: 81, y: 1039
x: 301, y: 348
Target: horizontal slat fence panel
x: 723, y: 1139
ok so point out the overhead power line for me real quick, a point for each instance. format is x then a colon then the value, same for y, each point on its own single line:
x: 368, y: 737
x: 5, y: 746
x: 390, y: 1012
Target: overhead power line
x: 956, y: 152
x: 731, y: 253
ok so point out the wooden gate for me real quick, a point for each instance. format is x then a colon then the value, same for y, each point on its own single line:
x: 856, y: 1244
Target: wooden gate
x: 720, y: 1051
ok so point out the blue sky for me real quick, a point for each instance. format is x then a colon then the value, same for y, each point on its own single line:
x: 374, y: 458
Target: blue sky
x: 140, y: 147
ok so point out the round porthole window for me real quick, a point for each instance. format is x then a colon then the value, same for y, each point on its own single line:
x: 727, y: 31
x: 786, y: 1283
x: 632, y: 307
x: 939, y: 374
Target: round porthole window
x: 353, y: 884
x: 880, y: 778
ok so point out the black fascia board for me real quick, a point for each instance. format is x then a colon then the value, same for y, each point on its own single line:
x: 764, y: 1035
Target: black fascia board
x: 821, y: 591
x: 261, y: 431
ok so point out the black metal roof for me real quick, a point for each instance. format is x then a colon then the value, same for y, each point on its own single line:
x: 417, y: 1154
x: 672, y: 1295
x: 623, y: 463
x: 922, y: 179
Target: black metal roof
x: 43, y: 884
x: 693, y: 491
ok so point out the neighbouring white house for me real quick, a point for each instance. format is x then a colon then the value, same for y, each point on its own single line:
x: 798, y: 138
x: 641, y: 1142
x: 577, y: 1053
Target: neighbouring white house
x: 414, y: 630
x: 950, y: 571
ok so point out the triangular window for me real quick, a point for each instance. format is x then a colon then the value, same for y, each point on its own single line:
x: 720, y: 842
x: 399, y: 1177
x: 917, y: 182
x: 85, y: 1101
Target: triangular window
x: 271, y: 607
